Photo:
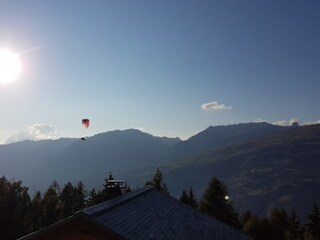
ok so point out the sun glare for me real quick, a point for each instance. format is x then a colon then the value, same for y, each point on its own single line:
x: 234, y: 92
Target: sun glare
x: 9, y: 66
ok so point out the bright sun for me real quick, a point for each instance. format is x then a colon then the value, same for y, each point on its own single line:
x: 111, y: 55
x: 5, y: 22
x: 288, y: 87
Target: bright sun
x: 9, y: 66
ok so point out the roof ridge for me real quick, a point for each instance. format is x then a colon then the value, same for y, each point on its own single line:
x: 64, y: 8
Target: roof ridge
x: 114, y: 202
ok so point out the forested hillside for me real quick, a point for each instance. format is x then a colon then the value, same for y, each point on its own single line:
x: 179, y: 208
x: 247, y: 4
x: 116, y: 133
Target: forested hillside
x: 281, y: 169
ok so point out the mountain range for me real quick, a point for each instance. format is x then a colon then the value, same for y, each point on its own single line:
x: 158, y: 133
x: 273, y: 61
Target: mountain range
x: 263, y: 165
x: 281, y: 169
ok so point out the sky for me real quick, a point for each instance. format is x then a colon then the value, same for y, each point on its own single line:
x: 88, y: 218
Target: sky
x: 169, y: 68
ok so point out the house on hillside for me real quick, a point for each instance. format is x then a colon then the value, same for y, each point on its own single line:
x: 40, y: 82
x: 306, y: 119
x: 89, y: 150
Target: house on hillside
x: 143, y: 214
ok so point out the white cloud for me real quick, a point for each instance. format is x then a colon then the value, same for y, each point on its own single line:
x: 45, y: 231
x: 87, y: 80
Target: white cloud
x: 311, y: 122
x: 37, y: 131
x: 215, y: 106
x: 286, y: 122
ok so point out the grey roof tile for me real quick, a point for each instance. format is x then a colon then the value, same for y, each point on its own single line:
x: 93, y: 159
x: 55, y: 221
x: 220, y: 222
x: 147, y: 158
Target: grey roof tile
x: 150, y: 214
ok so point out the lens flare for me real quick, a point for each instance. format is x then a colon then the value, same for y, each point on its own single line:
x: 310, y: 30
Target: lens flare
x: 9, y: 66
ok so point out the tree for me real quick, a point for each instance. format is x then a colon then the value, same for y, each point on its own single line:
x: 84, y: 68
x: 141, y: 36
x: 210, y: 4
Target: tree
x: 215, y: 204
x: 251, y: 225
x: 67, y: 199
x: 294, y: 230
x: 14, y: 209
x: 51, y: 204
x: 79, y: 197
x: 157, y: 182
x: 313, y: 224
x: 278, y: 222
x: 184, y: 197
x: 92, y: 195
x: 189, y: 198
x: 36, y: 208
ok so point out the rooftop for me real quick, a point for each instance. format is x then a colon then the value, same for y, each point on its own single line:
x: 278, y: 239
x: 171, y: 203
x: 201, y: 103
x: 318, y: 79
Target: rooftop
x: 150, y: 214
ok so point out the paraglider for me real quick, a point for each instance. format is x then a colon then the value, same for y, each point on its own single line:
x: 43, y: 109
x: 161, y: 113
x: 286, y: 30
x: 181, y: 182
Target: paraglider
x: 85, y: 123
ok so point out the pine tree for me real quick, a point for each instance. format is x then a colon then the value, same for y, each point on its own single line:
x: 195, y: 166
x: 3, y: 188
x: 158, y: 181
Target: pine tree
x: 66, y: 198
x: 36, y: 208
x: 215, y: 204
x: 278, y: 222
x: 92, y: 195
x: 157, y: 182
x: 251, y: 225
x: 313, y: 223
x: 294, y: 230
x: 79, y: 197
x: 51, y: 204
x: 14, y: 209
x: 189, y: 198
x: 184, y: 197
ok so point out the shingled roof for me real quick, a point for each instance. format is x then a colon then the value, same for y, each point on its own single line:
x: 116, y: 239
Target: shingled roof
x: 150, y: 214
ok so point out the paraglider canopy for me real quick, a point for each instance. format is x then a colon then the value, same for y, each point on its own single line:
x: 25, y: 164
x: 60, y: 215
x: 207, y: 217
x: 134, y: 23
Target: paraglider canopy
x: 85, y: 122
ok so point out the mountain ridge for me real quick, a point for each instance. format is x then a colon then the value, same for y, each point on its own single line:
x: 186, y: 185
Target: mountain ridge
x: 260, y: 174
x: 217, y: 136
x: 228, y: 152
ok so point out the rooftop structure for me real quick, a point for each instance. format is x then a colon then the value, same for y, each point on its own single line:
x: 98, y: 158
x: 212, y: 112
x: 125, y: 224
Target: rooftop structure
x: 143, y: 214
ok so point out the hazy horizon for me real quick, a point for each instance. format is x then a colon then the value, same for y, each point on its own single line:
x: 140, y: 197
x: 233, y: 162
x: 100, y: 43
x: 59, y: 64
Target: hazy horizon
x: 22, y: 136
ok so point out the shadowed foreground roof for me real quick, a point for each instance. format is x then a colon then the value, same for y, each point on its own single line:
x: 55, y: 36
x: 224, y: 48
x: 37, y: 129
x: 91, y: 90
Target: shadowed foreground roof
x: 149, y: 214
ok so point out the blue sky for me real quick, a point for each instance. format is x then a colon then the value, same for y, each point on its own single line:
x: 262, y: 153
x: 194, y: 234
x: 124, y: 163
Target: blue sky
x: 152, y: 65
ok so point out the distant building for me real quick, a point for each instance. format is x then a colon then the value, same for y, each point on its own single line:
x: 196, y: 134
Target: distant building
x: 113, y: 185
x: 144, y: 214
